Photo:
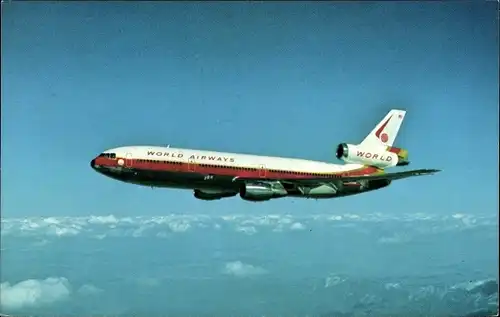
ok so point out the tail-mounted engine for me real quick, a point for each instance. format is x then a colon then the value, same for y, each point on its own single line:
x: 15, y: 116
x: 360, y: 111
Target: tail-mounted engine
x: 389, y: 157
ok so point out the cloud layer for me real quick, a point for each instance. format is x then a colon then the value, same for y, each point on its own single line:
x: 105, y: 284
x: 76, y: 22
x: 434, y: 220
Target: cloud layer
x: 320, y: 261
x: 163, y: 226
x: 361, y: 297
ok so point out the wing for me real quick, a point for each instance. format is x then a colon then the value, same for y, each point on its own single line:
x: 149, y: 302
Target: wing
x: 322, y: 180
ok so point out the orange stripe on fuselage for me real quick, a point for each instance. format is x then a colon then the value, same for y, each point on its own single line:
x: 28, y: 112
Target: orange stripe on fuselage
x: 240, y: 171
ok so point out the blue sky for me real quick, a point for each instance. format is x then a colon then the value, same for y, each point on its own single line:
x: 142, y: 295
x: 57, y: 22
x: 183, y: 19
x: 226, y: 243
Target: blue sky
x: 283, y: 79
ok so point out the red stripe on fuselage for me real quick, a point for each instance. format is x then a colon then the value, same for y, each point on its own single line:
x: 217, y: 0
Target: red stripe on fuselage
x: 212, y: 169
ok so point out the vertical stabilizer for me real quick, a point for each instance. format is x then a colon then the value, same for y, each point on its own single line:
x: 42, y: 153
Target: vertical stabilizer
x: 386, y: 130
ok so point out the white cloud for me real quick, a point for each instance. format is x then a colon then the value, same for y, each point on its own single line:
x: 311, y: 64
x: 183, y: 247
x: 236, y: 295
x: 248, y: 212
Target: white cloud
x: 89, y: 289
x: 389, y: 286
x: 57, y: 231
x: 110, y: 219
x: 471, y: 285
x: 336, y: 218
x: 394, y: 239
x: 240, y: 269
x: 179, y: 226
x: 33, y: 293
x: 467, y: 220
x: 334, y: 280
x: 297, y: 226
x: 247, y: 230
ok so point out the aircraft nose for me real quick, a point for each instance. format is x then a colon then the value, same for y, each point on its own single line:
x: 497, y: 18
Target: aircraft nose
x: 92, y: 163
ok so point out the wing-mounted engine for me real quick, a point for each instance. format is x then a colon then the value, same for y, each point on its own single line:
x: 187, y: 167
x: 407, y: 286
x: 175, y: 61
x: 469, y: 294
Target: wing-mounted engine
x: 261, y: 191
x: 389, y: 157
x: 212, y: 195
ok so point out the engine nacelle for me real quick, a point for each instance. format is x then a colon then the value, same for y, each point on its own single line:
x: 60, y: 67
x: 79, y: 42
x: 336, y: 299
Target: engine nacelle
x: 261, y: 191
x: 212, y: 195
x: 379, y: 158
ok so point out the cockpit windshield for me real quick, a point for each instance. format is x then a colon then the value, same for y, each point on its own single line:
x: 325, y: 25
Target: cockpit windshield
x: 108, y: 155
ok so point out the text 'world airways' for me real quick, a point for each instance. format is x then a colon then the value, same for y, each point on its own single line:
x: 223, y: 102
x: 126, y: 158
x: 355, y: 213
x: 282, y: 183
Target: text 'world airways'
x: 193, y: 157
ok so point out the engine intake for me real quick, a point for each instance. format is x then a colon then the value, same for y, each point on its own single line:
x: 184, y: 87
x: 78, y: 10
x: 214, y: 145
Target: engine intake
x: 342, y: 151
x: 261, y: 191
x: 390, y: 157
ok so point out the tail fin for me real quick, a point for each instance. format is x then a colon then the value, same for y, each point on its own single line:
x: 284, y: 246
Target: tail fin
x: 386, y: 130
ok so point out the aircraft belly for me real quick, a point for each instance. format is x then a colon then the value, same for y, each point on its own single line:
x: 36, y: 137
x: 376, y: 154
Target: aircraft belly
x: 191, y: 180
x: 187, y: 180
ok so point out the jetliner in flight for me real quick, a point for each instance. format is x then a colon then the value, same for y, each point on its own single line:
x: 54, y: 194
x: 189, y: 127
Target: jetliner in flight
x: 215, y: 175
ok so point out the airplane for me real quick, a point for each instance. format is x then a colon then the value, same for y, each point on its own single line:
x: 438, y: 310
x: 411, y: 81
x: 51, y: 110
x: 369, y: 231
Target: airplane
x: 216, y: 175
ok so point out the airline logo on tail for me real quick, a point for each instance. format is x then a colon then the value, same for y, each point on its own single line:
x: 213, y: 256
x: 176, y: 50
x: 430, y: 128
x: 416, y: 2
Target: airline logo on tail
x: 384, y: 137
x: 386, y: 131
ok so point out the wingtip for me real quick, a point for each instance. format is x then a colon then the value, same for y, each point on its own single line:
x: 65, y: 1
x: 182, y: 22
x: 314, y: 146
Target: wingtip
x: 430, y: 171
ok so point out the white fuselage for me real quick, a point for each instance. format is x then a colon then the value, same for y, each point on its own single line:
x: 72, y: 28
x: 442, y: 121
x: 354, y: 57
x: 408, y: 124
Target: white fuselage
x: 210, y: 172
x: 231, y: 159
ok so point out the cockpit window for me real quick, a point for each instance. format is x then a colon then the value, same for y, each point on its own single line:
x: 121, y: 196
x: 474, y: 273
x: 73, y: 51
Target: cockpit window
x: 108, y: 155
